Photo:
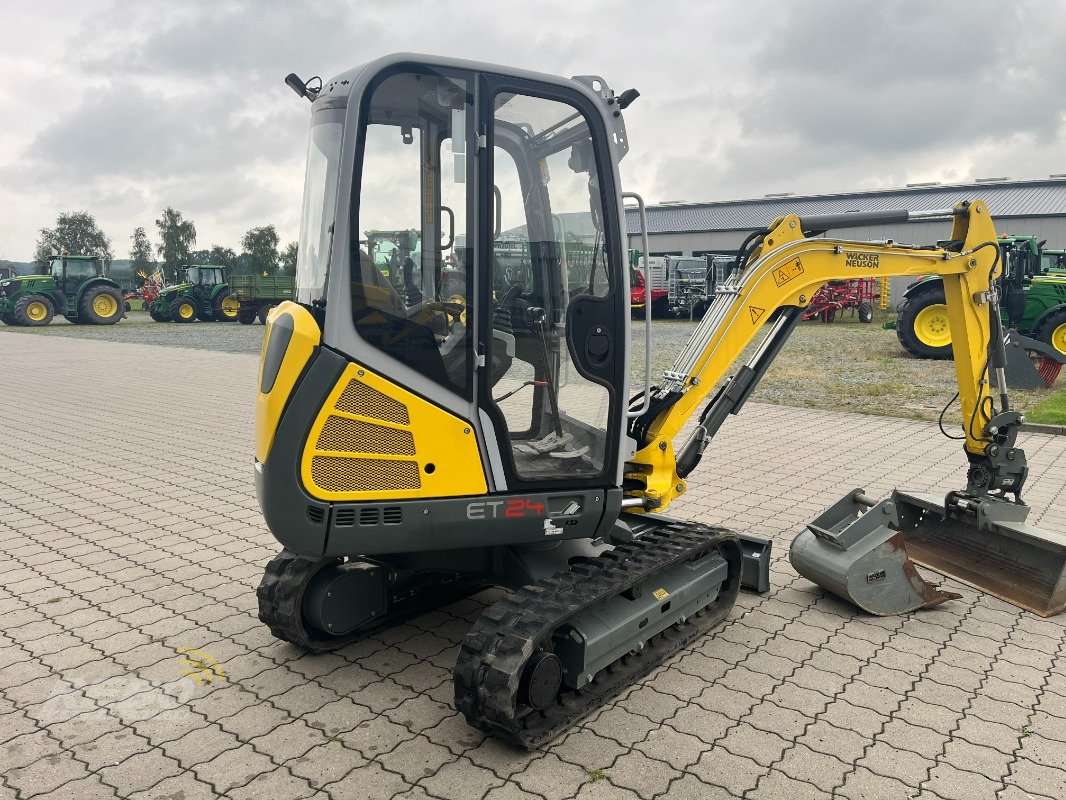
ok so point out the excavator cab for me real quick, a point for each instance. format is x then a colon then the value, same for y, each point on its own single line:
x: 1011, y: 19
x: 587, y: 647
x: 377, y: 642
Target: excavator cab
x: 532, y: 358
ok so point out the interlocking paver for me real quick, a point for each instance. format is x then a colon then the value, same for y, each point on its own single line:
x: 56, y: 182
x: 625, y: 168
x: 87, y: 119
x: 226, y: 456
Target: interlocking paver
x: 112, y: 560
x: 461, y: 779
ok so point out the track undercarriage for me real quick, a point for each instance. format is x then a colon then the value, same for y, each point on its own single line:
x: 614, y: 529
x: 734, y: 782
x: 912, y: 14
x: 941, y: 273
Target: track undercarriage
x: 549, y: 652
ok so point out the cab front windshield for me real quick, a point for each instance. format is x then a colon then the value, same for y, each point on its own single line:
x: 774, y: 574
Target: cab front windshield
x: 319, y: 204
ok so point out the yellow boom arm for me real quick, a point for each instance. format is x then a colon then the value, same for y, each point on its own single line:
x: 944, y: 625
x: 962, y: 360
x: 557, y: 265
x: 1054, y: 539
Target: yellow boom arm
x: 784, y: 272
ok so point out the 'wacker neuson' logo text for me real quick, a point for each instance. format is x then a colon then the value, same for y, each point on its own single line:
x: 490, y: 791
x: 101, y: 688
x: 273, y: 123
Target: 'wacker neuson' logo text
x: 863, y: 260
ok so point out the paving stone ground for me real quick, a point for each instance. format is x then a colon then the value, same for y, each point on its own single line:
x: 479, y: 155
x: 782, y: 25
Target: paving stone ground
x: 132, y: 663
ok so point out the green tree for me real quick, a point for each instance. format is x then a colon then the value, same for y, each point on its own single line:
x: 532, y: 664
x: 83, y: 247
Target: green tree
x: 140, y: 252
x: 260, y: 246
x: 223, y: 256
x: 287, y: 259
x: 77, y: 233
x: 177, y: 236
x: 217, y: 255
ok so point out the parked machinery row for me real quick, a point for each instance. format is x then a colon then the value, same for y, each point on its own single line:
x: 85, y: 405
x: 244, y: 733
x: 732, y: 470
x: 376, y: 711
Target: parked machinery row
x: 676, y: 286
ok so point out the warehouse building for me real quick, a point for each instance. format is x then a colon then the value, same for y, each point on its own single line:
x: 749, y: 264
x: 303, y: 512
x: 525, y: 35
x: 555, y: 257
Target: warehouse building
x: 1030, y: 207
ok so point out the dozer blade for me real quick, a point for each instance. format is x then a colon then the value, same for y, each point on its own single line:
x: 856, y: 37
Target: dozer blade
x: 987, y: 544
x: 856, y: 551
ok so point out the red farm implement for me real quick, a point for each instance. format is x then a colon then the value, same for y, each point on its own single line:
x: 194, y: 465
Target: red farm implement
x: 837, y: 296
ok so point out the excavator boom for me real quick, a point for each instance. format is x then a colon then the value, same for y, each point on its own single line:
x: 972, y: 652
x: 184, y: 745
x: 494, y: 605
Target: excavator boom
x: 783, y: 273
x: 977, y: 535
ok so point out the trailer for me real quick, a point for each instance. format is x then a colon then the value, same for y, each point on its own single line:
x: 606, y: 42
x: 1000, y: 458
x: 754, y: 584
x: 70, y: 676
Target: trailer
x: 257, y: 294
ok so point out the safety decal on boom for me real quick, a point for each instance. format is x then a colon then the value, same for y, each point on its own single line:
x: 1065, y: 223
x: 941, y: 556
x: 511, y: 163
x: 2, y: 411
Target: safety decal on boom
x: 783, y: 275
x: 756, y: 313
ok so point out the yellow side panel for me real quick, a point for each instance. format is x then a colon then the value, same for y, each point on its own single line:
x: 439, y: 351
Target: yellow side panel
x: 268, y: 406
x: 374, y: 440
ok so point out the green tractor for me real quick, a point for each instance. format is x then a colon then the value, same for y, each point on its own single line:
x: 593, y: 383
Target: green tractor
x: 1032, y: 297
x: 1053, y: 261
x: 73, y: 286
x: 204, y: 295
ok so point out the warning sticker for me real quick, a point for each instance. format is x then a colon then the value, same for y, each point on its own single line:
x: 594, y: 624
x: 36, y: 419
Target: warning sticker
x: 783, y: 275
x: 660, y: 594
x: 756, y: 313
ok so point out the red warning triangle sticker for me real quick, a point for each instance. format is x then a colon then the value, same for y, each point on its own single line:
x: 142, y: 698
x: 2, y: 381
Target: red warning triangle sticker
x: 756, y: 313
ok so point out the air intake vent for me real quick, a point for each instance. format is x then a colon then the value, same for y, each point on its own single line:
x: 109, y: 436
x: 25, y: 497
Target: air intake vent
x: 393, y: 515
x: 344, y: 517
x: 316, y: 514
x: 341, y: 434
x: 358, y: 398
x: 368, y: 516
x: 363, y: 474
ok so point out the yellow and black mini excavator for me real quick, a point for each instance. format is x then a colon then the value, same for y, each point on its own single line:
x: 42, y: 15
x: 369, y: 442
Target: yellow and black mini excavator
x: 462, y: 413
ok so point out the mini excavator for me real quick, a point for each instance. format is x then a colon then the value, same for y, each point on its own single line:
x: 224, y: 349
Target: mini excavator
x: 469, y: 420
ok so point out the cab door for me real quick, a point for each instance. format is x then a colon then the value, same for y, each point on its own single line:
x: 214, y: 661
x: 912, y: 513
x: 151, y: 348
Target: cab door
x: 554, y: 334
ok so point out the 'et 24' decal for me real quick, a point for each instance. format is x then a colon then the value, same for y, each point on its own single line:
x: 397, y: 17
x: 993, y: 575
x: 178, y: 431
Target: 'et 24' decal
x: 512, y: 508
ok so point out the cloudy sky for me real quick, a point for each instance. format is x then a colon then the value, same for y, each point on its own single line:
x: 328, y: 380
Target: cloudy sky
x: 123, y: 108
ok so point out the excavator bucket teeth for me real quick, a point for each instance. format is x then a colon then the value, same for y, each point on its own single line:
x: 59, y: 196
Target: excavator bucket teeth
x: 856, y: 551
x: 987, y: 545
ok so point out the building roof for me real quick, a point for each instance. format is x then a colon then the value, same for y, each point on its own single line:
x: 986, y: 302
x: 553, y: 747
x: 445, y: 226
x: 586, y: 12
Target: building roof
x: 1034, y: 198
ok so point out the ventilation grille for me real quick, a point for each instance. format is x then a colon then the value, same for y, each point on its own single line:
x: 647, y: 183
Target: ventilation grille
x: 335, y: 474
x: 367, y: 516
x: 353, y: 435
x: 316, y: 514
x: 358, y: 398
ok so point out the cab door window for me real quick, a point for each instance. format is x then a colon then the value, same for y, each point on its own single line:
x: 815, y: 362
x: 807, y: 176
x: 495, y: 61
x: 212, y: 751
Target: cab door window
x: 550, y: 251
x: 410, y: 291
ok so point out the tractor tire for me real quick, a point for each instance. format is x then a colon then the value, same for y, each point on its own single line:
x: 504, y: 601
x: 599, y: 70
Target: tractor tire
x: 73, y: 319
x: 226, y: 308
x: 246, y: 316
x: 101, y: 305
x: 1053, y: 330
x: 922, y: 325
x: 155, y: 315
x: 183, y: 309
x: 264, y: 312
x: 34, y: 311
x: 866, y: 312
x: 8, y: 319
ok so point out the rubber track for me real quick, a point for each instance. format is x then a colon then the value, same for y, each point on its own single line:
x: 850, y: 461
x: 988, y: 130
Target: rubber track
x: 495, y: 651
x: 287, y: 575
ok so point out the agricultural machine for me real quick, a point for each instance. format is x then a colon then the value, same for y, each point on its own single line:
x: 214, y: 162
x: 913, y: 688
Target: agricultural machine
x: 73, y: 286
x: 257, y: 294
x: 1032, y: 303
x: 856, y: 294
x: 648, y: 287
x: 204, y: 295
x: 151, y: 285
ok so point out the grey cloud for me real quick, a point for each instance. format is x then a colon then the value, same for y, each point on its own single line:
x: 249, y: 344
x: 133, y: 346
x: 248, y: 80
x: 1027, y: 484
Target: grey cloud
x: 183, y: 103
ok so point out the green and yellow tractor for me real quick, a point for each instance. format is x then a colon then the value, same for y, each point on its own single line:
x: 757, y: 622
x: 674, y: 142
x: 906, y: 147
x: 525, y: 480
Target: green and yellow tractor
x: 1032, y: 297
x: 204, y: 295
x: 73, y: 286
